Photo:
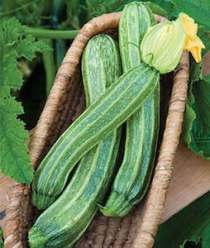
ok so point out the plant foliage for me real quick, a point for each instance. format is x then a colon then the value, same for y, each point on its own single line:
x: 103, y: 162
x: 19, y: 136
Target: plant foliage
x: 189, y: 228
x: 196, y: 131
x: 14, y: 45
x: 1, y: 239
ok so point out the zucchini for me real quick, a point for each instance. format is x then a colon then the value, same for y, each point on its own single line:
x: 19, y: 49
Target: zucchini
x: 65, y: 221
x: 101, y: 66
x: 120, y: 101
x: 133, y: 177
x: 135, y: 20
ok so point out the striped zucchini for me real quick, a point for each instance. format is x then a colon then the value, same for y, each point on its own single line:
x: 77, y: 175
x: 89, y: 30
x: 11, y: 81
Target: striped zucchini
x: 120, y: 101
x: 65, y: 221
x: 135, y: 20
x: 133, y: 177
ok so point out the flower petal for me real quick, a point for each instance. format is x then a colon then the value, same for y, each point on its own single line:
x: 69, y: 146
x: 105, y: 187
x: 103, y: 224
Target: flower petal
x: 193, y: 43
x: 190, y: 27
x: 194, y: 46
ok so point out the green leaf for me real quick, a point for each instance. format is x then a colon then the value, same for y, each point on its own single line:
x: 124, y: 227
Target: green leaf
x: 14, y: 159
x: 14, y: 44
x: 10, y: 77
x: 190, y: 228
x: 191, y: 244
x: 1, y: 239
x: 167, y: 5
x: 27, y: 11
x: 73, y: 11
x: 199, y: 10
x: 156, y: 9
x: 99, y: 7
x: 205, y: 37
x: 196, y: 71
x: 196, y: 128
x: 29, y: 46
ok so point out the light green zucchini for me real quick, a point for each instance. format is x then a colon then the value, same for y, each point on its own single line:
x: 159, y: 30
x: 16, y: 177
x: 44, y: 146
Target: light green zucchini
x: 133, y: 177
x: 120, y: 101
x: 135, y: 20
x: 65, y: 221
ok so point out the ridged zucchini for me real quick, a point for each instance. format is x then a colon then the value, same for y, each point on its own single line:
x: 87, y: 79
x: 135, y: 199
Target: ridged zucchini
x: 120, y: 101
x: 133, y: 177
x: 69, y: 216
x: 135, y: 20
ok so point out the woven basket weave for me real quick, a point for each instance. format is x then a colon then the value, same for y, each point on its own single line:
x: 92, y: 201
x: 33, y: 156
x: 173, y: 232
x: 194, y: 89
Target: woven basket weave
x: 64, y: 104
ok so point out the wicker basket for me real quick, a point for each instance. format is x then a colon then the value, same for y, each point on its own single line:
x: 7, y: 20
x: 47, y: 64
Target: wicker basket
x: 64, y: 104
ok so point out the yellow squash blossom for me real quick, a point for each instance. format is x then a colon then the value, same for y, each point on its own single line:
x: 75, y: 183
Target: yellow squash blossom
x: 163, y: 44
x: 193, y: 43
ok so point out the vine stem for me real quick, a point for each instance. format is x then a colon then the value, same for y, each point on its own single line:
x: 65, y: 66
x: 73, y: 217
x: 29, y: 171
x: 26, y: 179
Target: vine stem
x: 51, y: 34
x: 49, y: 65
